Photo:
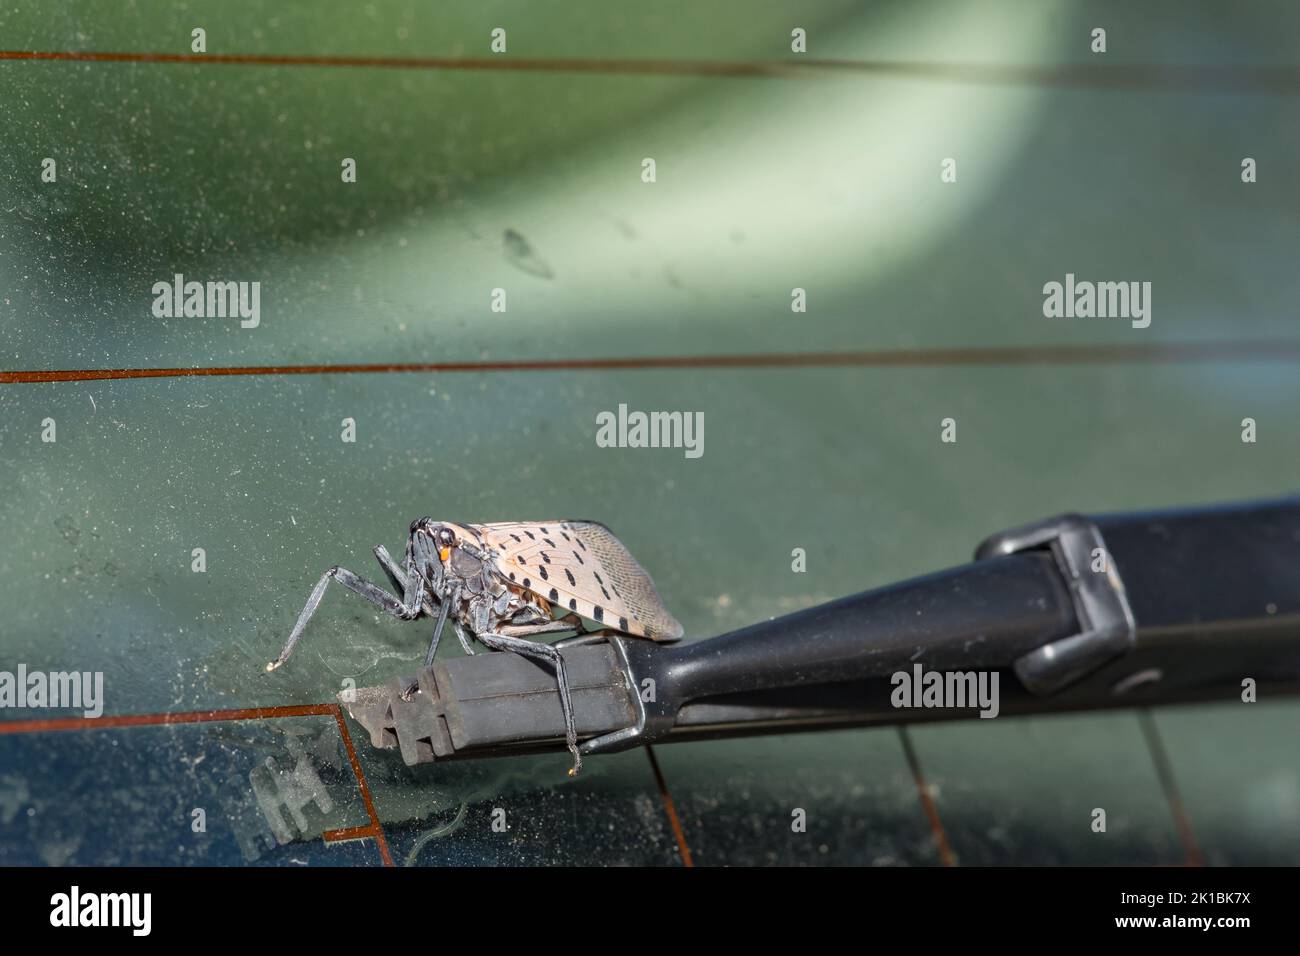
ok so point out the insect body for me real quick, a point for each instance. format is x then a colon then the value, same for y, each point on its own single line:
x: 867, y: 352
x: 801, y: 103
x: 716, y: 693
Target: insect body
x: 507, y: 582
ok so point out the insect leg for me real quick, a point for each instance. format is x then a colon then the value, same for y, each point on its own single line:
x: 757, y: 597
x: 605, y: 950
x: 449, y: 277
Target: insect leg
x: 437, y: 633
x: 409, y: 690
x: 544, y: 652
x: 586, y: 637
x: 398, y: 577
x: 371, y: 592
x: 574, y: 622
x: 570, y: 622
x: 523, y: 630
x: 447, y: 601
x: 464, y: 638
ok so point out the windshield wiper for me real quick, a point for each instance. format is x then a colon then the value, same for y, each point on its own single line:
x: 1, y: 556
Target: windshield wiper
x: 1071, y: 613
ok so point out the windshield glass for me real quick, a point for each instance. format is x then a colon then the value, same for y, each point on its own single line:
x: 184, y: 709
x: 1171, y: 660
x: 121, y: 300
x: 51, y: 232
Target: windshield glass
x: 426, y: 268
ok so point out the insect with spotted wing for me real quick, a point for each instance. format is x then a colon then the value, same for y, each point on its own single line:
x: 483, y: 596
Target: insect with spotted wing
x: 508, y: 582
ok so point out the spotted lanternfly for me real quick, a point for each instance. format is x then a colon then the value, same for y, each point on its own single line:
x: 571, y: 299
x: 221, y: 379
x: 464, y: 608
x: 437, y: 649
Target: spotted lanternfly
x: 509, y: 581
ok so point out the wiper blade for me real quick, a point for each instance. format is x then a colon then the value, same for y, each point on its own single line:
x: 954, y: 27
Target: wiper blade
x: 1071, y: 614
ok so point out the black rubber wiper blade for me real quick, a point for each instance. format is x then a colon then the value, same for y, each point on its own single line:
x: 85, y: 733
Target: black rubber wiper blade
x: 1070, y: 613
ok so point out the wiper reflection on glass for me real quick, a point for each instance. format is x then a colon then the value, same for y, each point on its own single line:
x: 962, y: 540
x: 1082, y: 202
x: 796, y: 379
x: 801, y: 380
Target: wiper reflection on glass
x: 1073, y: 613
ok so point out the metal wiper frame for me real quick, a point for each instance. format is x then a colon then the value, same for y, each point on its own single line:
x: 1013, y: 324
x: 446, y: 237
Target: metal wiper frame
x: 1074, y: 613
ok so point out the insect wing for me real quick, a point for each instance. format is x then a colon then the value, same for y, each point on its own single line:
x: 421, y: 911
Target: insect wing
x: 580, y: 566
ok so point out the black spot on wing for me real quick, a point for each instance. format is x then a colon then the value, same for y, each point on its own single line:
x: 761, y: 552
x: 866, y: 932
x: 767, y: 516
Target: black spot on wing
x: 555, y: 595
x: 572, y: 580
x: 598, y: 613
x: 541, y: 569
x: 573, y: 604
x: 579, y: 557
x: 622, y: 624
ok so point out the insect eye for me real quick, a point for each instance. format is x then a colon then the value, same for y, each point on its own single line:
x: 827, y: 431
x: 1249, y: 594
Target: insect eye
x: 445, y: 538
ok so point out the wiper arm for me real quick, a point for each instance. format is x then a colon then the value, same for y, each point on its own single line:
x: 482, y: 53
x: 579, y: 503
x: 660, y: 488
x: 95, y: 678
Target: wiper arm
x: 1071, y: 614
